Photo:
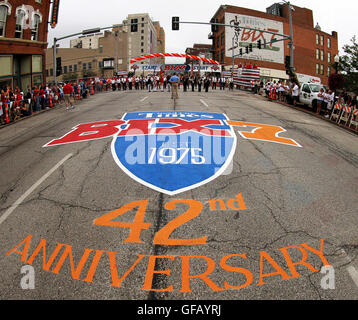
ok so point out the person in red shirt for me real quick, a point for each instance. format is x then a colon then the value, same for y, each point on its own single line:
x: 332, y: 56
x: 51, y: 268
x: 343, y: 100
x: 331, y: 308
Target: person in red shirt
x: 67, y: 91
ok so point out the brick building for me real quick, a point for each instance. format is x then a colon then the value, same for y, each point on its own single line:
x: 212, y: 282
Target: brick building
x: 314, y: 50
x: 199, y: 49
x: 23, y: 40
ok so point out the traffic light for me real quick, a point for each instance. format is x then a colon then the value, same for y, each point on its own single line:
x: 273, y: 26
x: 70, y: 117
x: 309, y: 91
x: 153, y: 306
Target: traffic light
x: 175, y: 23
x: 134, y: 25
x: 287, y: 62
x: 241, y: 52
x: 58, y: 66
x: 250, y: 47
x: 247, y: 49
x: 214, y: 28
x: 259, y: 44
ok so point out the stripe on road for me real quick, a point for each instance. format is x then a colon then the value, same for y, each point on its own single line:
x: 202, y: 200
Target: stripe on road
x: 204, y: 103
x: 32, y: 188
x: 143, y: 99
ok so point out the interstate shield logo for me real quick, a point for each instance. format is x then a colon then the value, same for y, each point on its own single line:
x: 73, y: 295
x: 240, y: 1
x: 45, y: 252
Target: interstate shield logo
x: 174, y: 151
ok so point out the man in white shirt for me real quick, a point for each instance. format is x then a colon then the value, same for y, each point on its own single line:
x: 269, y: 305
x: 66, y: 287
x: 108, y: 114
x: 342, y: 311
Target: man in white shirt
x: 295, y: 93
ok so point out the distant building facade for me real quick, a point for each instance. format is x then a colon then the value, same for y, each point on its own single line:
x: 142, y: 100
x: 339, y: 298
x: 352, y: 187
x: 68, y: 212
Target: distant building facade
x: 200, y: 50
x: 106, y: 53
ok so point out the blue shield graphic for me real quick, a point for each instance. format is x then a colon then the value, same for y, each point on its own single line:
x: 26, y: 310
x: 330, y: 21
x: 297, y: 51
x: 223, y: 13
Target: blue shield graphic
x: 174, y: 151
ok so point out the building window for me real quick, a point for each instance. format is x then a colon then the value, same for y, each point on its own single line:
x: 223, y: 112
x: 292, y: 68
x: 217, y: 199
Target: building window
x: 328, y: 71
x: 322, y: 40
x: 65, y: 69
x: 75, y: 67
x: 84, y: 66
x: 328, y: 57
x: 142, y: 44
x: 218, y: 41
x: 222, y: 56
x: 142, y: 31
x: 329, y: 43
x: 317, y: 54
x: 141, y: 50
x: 89, y: 65
x: 38, y: 1
x: 51, y: 72
x: 222, y: 39
x: 20, y: 19
x: 3, y: 16
x: 322, y: 69
x: 35, y: 27
x: 70, y: 68
x: 317, y: 39
x: 141, y: 37
x: 317, y: 68
x: 322, y: 55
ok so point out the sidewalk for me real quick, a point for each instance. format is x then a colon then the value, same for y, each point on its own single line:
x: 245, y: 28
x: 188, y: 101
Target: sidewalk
x: 302, y: 108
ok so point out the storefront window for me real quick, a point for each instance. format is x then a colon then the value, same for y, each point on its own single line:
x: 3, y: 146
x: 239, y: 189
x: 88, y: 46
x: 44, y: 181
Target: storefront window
x: 5, y: 66
x: 36, y: 64
x: 37, y: 80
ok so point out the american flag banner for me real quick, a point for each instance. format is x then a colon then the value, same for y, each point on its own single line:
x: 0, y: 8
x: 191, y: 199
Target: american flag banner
x: 226, y: 74
x: 245, y: 75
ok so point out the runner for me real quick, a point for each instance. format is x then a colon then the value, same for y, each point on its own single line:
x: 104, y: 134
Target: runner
x: 174, y: 80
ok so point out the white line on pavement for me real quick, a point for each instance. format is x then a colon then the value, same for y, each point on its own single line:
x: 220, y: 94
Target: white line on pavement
x: 143, y: 99
x: 354, y: 274
x: 32, y: 188
x: 204, y: 103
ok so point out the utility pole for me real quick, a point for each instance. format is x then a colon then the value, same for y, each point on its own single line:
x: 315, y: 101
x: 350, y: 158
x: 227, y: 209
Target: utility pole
x: 291, y: 36
x: 54, y: 60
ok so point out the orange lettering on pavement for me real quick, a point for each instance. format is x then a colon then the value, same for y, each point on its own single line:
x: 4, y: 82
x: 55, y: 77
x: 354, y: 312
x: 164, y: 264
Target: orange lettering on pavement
x: 263, y: 132
x: 150, y: 273
x: 42, y: 245
x: 245, y: 272
x: 23, y: 253
x: 203, y: 276
x: 76, y: 272
x: 279, y: 270
x: 291, y: 265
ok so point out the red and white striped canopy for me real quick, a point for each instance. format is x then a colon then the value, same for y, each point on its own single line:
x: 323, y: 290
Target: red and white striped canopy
x: 177, y: 55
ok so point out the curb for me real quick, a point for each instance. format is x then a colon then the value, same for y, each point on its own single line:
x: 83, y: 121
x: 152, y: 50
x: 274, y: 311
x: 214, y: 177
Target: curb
x: 312, y: 114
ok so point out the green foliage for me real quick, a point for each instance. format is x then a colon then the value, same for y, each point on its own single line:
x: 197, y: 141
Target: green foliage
x: 336, y: 81
x: 88, y: 73
x: 348, y: 66
x: 70, y: 76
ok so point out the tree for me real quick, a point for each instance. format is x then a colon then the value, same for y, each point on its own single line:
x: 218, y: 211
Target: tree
x: 70, y: 76
x: 336, y: 81
x: 88, y: 74
x: 348, y: 65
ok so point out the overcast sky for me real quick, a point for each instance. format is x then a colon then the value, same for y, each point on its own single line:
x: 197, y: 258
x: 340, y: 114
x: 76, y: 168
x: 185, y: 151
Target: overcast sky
x: 75, y: 16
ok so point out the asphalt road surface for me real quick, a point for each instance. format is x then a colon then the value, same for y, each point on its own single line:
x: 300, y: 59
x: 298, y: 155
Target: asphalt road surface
x: 277, y: 219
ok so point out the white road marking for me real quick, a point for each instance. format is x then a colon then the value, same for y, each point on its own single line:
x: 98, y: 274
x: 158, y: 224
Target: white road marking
x: 143, y: 99
x: 32, y: 188
x: 354, y: 274
x: 204, y: 103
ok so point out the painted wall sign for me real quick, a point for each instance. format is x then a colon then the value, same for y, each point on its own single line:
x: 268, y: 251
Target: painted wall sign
x: 243, y: 37
x: 173, y: 151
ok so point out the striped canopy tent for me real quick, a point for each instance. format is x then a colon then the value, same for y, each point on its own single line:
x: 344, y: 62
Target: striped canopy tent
x: 177, y: 55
